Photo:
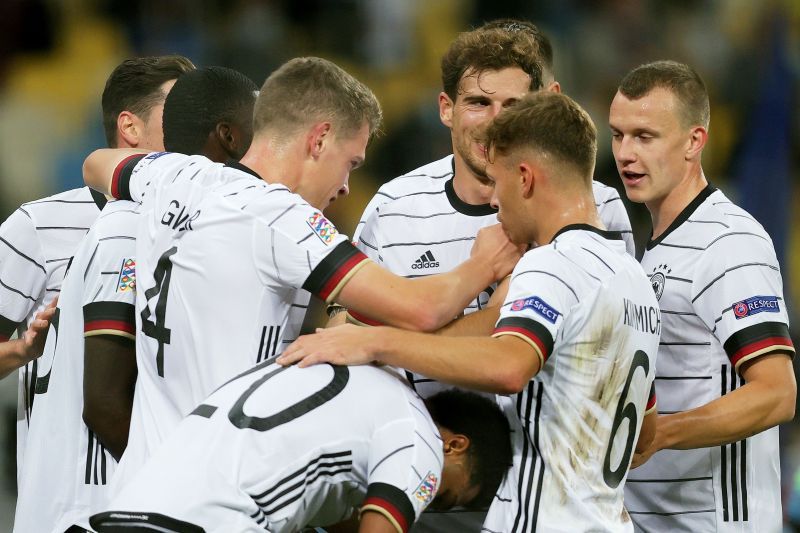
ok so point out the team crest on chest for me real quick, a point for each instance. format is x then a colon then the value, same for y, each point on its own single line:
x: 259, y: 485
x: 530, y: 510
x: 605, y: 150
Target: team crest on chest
x: 322, y: 228
x: 658, y: 279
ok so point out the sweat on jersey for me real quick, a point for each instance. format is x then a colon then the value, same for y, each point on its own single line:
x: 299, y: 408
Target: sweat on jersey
x: 280, y: 448
x: 718, y: 282
x: 67, y: 467
x: 221, y: 258
x: 36, y: 243
x: 586, y: 308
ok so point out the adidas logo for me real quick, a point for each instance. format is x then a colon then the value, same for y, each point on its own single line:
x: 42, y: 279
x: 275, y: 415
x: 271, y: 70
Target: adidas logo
x: 426, y: 260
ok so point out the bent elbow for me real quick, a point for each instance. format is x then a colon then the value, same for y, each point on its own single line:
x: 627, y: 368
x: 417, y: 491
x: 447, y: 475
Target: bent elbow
x: 511, y: 383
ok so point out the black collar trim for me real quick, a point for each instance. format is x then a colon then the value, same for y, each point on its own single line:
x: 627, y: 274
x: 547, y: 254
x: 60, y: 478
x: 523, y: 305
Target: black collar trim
x: 683, y: 216
x: 463, y: 207
x: 238, y: 166
x: 610, y: 235
x: 100, y: 199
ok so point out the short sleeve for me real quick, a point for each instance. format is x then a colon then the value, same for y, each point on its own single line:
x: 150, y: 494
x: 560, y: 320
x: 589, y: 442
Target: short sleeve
x: 369, y: 240
x: 297, y: 246
x: 737, y: 291
x: 22, y: 271
x: 137, y: 174
x: 109, y: 293
x: 536, y: 302
x: 612, y: 212
x: 405, y: 468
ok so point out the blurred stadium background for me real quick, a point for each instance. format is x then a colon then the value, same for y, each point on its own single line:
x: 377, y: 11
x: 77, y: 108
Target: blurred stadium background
x: 56, y: 54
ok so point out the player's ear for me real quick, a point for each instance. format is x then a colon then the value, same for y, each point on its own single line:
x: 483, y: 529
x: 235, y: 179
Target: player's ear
x: 226, y: 137
x: 527, y: 178
x: 455, y: 443
x: 129, y: 127
x: 697, y: 141
x: 445, y: 110
x: 554, y: 87
x: 317, y: 139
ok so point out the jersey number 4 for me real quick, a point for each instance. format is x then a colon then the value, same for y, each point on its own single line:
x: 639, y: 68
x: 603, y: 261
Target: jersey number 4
x: 626, y: 410
x: 156, y: 330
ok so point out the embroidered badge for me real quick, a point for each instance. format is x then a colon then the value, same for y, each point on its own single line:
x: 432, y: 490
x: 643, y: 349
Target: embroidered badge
x: 755, y: 305
x: 322, y: 228
x: 127, y: 276
x: 538, y: 305
x: 426, y: 489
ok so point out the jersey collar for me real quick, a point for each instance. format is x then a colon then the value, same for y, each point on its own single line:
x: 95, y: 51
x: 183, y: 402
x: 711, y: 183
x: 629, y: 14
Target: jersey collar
x: 232, y: 163
x: 682, y: 217
x: 610, y: 235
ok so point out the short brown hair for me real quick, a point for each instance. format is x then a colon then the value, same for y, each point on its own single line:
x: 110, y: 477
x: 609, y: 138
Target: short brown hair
x: 494, y: 46
x: 135, y: 86
x: 550, y: 123
x: 306, y: 90
x: 678, y: 78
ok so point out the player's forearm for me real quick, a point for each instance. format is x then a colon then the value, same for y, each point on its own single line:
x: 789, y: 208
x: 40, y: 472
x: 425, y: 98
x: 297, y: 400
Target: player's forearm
x: 472, y: 325
x: 13, y: 355
x: 479, y: 363
x: 748, y: 410
x: 98, y: 168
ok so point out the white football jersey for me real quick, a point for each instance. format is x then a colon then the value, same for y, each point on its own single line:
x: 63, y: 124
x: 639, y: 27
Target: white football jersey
x: 67, y: 467
x: 221, y: 256
x: 719, y: 286
x: 278, y: 448
x: 416, y: 225
x: 587, y: 309
x: 36, y: 243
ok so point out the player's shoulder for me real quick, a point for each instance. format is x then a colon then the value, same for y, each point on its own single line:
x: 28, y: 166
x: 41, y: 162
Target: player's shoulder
x: 718, y: 220
x: 430, y: 177
x: 56, y: 203
x: 119, y: 217
x: 604, y: 194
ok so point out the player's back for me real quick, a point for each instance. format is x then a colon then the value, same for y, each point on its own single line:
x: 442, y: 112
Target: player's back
x: 581, y: 414
x: 283, y: 447
x: 68, y: 467
x: 221, y: 257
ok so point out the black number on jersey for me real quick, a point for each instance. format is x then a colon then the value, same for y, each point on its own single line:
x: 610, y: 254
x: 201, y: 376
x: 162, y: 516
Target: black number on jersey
x: 237, y: 416
x: 156, y: 330
x: 625, y: 410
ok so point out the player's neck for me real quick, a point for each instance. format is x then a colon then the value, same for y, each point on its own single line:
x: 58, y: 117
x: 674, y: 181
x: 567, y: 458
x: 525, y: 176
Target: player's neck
x: 580, y: 209
x: 275, y: 163
x: 468, y: 186
x: 665, y: 210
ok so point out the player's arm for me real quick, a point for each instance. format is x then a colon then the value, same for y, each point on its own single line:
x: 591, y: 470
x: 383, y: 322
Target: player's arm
x: 648, y: 431
x: 469, y: 362
x: 100, y: 166
x: 18, y: 352
x: 765, y: 400
x: 480, y: 322
x: 108, y: 384
x: 430, y: 302
x: 372, y: 522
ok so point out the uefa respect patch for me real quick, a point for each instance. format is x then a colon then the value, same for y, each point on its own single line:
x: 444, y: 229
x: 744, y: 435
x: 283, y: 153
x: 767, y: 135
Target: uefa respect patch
x: 755, y: 305
x: 322, y: 228
x: 426, y: 489
x: 155, y: 155
x: 127, y: 276
x: 537, y: 305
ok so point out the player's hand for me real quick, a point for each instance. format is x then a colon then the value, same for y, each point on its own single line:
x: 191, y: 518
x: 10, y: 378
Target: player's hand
x: 343, y: 345
x: 493, y: 247
x: 34, y: 338
x: 641, y: 458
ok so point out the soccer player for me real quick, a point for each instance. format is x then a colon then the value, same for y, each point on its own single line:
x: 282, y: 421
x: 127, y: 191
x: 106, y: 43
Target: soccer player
x: 91, y: 348
x: 39, y: 238
x: 252, y: 234
x: 424, y: 222
x: 576, y: 341
x: 724, y: 374
x: 280, y: 448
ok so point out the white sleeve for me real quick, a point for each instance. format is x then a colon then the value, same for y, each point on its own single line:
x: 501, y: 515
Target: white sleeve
x: 22, y: 271
x: 370, y: 241
x: 536, y: 303
x: 370, y: 211
x: 737, y: 292
x: 109, y: 293
x: 303, y: 249
x: 138, y: 174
